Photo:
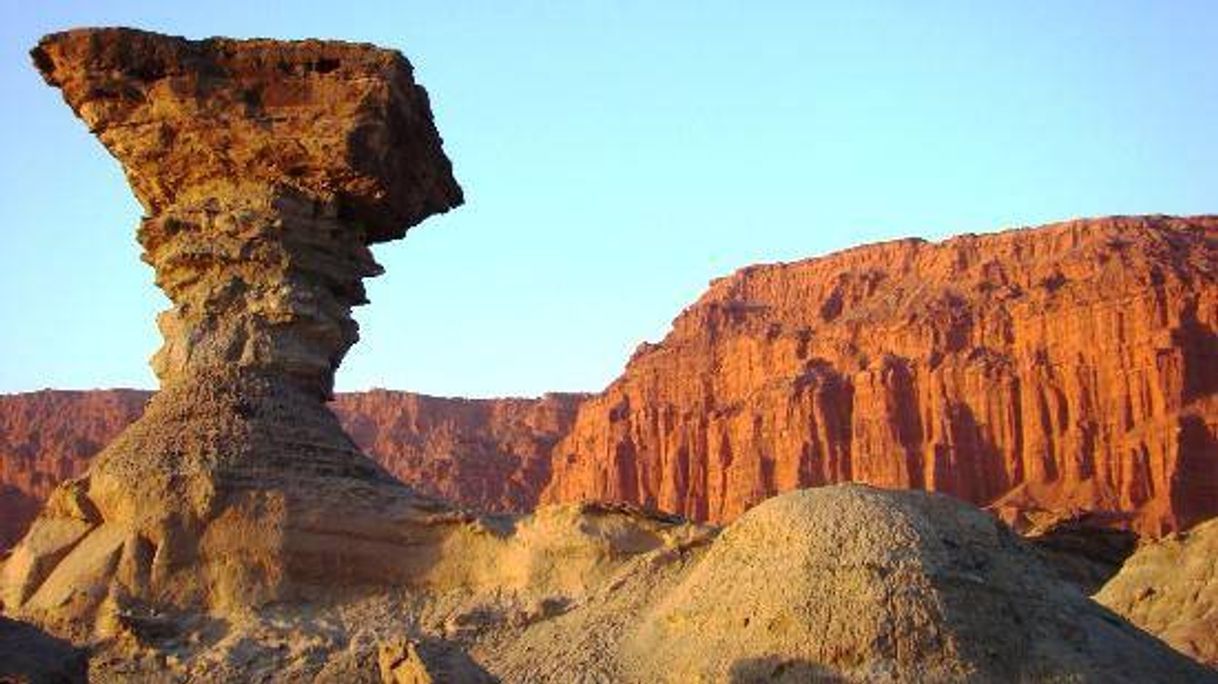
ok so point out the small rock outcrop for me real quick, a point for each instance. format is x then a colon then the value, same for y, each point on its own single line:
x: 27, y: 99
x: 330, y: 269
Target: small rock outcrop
x: 1170, y: 589
x: 49, y: 436
x: 403, y: 661
x: 267, y: 169
x: 1069, y: 367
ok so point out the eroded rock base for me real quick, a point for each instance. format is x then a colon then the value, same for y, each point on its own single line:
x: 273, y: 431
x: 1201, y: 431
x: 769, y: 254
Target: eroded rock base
x: 234, y: 490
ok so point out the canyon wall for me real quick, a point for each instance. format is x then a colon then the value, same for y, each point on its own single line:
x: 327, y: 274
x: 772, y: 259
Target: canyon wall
x: 483, y: 454
x: 1069, y: 368
x: 1073, y: 366
x: 49, y: 436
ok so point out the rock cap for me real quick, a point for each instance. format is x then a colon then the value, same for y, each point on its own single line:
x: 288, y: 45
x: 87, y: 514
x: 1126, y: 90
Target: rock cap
x: 342, y: 123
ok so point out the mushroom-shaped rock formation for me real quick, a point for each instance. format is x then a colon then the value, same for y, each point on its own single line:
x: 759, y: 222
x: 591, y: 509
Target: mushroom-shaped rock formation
x: 266, y: 169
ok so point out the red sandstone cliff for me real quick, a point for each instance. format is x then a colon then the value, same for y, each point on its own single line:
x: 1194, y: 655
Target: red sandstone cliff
x: 48, y: 436
x: 1071, y: 366
x: 486, y: 454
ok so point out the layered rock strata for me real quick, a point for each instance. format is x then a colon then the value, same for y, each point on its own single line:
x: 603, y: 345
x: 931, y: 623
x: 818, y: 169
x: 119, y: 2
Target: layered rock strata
x: 1147, y: 463
x: 266, y: 169
x: 481, y: 454
x: 1072, y: 367
x: 490, y: 455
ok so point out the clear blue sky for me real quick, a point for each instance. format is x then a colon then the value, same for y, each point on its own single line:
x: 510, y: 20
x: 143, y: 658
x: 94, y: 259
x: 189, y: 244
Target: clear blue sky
x: 618, y: 155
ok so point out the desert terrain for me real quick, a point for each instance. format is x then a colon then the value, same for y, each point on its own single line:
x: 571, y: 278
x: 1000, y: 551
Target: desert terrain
x: 988, y: 458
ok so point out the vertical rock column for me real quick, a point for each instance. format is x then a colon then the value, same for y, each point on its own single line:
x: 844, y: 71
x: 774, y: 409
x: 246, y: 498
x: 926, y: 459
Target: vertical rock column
x: 262, y: 281
x: 266, y: 169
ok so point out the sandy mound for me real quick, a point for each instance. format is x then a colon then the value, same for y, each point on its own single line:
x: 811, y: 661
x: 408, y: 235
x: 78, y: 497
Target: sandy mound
x: 872, y: 585
x: 1170, y: 589
x: 844, y: 583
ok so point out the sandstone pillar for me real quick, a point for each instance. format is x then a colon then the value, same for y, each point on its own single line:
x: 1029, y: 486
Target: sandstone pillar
x: 266, y: 170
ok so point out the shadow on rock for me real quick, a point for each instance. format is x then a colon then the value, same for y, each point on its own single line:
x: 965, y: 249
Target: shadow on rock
x: 30, y: 656
x: 779, y: 669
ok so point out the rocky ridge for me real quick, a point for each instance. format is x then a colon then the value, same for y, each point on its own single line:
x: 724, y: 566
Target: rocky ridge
x: 489, y: 455
x: 878, y: 364
x: 1073, y: 367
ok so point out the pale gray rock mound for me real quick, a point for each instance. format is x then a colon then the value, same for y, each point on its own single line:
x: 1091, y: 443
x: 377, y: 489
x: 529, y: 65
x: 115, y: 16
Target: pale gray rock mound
x: 1170, y: 589
x: 868, y: 585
